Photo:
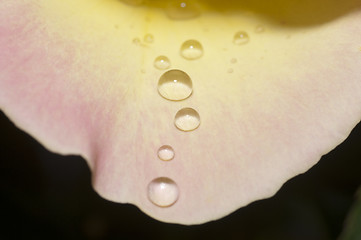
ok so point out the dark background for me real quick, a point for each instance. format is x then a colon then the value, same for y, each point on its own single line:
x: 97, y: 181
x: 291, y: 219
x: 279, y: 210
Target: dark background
x: 47, y: 196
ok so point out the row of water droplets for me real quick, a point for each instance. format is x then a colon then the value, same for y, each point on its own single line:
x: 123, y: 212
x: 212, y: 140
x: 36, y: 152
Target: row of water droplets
x: 176, y: 85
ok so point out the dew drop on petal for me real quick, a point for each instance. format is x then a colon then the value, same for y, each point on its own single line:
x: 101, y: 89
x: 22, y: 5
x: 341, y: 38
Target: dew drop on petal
x: 166, y: 153
x: 233, y: 60
x: 163, y: 192
x: 136, y: 41
x: 162, y: 62
x: 133, y: 2
x: 230, y: 70
x: 191, y: 49
x: 175, y: 85
x: 259, y: 29
x: 187, y: 119
x: 148, y: 38
x: 182, y: 10
x: 240, y: 38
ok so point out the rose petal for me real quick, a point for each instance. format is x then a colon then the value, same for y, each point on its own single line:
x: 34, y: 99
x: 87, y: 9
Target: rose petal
x: 72, y: 77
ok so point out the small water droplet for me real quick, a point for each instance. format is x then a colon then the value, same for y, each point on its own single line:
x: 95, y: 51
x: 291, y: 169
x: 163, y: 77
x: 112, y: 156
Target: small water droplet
x: 162, y: 62
x: 175, y: 85
x: 191, y: 49
x: 133, y: 2
x: 142, y: 70
x: 166, y: 153
x: 259, y: 29
x: 163, y: 192
x: 187, y: 119
x: 233, y: 60
x: 182, y: 10
x: 136, y: 41
x: 230, y: 70
x: 148, y: 38
x: 240, y: 38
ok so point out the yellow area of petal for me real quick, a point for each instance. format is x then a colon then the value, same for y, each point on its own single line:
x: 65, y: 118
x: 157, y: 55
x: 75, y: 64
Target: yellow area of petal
x: 103, y: 31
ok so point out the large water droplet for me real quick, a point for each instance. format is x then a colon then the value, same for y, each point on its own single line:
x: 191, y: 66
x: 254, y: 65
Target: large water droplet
x: 148, y: 38
x: 162, y: 63
x: 182, y: 10
x: 191, y: 49
x: 240, y: 38
x: 187, y: 119
x: 166, y: 153
x: 163, y: 192
x: 175, y: 85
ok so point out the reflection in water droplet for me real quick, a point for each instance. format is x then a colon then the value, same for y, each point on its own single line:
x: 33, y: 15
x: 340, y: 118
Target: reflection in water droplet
x: 162, y: 62
x: 175, y: 85
x: 191, y: 49
x: 182, y: 10
x: 148, y: 38
x: 166, y: 153
x: 163, y: 192
x: 136, y: 41
x: 240, y: 38
x: 187, y: 119
x: 259, y: 29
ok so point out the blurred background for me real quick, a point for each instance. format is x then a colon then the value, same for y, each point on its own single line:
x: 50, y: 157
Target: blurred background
x: 47, y: 196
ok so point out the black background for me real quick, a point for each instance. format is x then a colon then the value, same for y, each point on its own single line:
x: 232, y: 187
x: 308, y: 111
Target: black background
x: 47, y: 196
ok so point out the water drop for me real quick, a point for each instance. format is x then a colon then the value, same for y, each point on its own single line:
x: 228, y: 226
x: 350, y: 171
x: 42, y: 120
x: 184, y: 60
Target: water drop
x: 175, y: 85
x: 136, y: 41
x: 182, y: 10
x: 148, y: 38
x: 240, y: 38
x: 233, y: 60
x: 166, y: 153
x: 162, y: 62
x: 133, y: 2
x: 230, y: 70
x: 191, y: 49
x: 187, y: 119
x: 163, y: 192
x: 259, y: 29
